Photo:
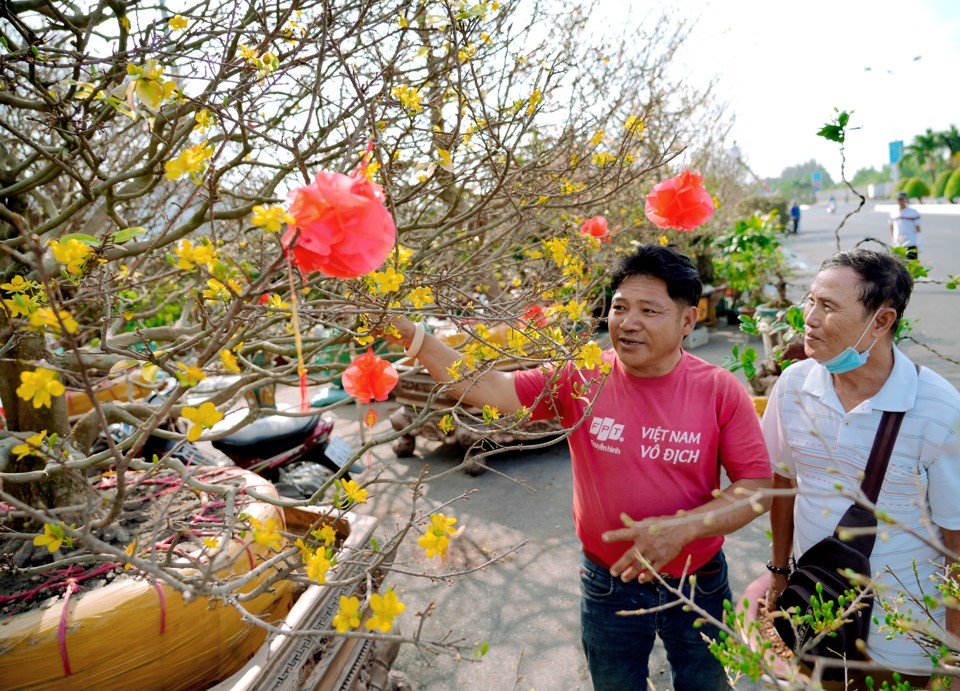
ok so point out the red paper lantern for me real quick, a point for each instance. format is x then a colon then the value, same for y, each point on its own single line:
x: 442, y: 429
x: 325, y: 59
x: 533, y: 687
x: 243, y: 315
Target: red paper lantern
x: 341, y: 227
x: 596, y: 227
x: 679, y: 202
x: 369, y: 378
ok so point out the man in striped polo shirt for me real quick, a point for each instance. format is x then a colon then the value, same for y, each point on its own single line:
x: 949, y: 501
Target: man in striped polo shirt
x: 820, y: 425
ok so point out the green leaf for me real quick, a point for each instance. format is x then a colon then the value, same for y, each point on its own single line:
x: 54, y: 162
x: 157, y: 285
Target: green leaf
x: 82, y: 237
x: 122, y: 236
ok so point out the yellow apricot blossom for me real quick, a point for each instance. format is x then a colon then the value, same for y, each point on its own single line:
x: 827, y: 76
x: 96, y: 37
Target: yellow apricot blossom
x: 52, y: 537
x: 190, y: 257
x: 265, y: 533
x: 150, y: 86
x: 326, y: 534
x: 385, y: 609
x: 387, y: 281
x: 589, y: 356
x: 192, y: 161
x: 40, y: 386
x: 18, y: 284
x: 348, y: 617
x: 30, y: 445
x: 204, y: 417
x: 436, y: 539
x: 178, y: 23
x: 205, y: 121
x: 229, y: 361
x: 409, y: 97
x: 420, y: 296
x: 353, y: 492
x: 634, y: 124
x: 190, y: 375
x: 45, y: 319
x: 317, y: 566
x: 270, y: 218
x: 73, y: 254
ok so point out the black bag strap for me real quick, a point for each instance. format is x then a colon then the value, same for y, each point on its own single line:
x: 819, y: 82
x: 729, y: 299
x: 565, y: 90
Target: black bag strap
x: 858, y: 516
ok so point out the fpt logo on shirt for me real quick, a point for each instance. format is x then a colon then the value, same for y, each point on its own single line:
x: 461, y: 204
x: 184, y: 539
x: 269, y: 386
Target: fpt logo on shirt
x: 606, y: 429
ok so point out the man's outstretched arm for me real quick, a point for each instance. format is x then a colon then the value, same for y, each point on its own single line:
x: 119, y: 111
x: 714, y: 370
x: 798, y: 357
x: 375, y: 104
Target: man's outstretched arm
x: 493, y: 387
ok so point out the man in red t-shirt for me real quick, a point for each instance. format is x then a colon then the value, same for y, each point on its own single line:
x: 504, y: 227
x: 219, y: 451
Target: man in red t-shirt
x: 653, y: 426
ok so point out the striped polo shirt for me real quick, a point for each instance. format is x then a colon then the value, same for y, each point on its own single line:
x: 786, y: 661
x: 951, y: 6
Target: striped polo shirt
x: 812, y: 440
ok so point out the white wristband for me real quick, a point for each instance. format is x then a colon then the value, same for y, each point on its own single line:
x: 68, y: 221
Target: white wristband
x: 417, y: 342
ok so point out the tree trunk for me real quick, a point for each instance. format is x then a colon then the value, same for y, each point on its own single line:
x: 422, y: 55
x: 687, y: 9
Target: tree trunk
x: 67, y: 488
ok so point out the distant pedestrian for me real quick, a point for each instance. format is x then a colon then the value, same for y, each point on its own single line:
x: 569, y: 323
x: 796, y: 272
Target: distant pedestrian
x: 794, y: 217
x: 905, y: 227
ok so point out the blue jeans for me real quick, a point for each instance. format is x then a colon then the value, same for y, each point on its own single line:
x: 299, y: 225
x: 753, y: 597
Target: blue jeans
x: 617, y: 647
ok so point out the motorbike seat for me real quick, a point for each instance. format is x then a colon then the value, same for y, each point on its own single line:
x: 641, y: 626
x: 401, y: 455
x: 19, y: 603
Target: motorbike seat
x: 272, y: 434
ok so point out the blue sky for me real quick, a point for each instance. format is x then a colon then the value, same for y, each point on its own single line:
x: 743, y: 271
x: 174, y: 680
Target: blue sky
x: 784, y: 66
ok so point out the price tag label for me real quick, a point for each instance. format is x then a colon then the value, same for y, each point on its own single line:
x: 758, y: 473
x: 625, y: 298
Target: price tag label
x: 338, y: 451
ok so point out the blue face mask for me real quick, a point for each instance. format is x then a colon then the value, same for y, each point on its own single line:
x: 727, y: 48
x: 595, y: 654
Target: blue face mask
x: 849, y: 359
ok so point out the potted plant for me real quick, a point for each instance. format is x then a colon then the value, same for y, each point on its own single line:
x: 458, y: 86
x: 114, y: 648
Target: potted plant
x: 749, y: 258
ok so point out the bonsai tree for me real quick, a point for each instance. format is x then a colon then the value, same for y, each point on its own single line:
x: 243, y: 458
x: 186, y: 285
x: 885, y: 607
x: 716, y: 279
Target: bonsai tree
x: 142, y: 199
x: 750, y: 258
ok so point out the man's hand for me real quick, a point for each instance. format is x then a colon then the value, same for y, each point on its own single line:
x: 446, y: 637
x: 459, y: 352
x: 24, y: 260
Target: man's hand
x: 654, y: 541
x: 778, y: 583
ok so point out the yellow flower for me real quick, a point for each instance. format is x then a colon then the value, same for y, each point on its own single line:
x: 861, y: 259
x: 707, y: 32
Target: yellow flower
x: 30, y: 445
x: 536, y: 98
x: 421, y: 296
x: 149, y: 85
x: 190, y: 376
x: 402, y: 256
x: 204, y: 417
x: 276, y: 302
x: 229, y: 361
x: 72, y: 253
x: 266, y: 533
x: 270, y: 218
x: 490, y: 413
x: 248, y: 54
x: 603, y: 159
x: 664, y: 240
x: 634, y: 124
x: 409, y: 97
x: 570, y: 187
x: 385, y: 609
x: 18, y: 284
x: 387, y: 281
x: 44, y: 319
x: 326, y: 534
x: 40, y: 386
x: 574, y: 310
x: 191, y: 161
x: 189, y: 257
x: 349, y: 615
x: 205, y: 121
x: 446, y: 424
x: 597, y: 137
x: 557, y: 247
x: 218, y: 291
x: 317, y: 566
x: 589, y: 356
x: 437, y: 537
x: 352, y: 491
x: 52, y: 537
x: 21, y: 305
x: 178, y: 23
x: 130, y: 551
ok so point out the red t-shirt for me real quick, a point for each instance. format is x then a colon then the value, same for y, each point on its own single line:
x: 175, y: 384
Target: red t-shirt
x: 650, y: 446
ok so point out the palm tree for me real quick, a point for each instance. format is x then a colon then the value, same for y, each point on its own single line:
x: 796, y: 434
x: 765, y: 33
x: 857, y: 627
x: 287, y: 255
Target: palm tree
x: 926, y: 150
x: 950, y: 139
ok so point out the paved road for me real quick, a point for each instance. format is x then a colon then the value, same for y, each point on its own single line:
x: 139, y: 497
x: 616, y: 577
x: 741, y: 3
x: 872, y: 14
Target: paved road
x: 934, y: 309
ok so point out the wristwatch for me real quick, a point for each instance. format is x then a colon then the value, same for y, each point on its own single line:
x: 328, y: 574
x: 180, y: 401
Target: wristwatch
x: 781, y: 570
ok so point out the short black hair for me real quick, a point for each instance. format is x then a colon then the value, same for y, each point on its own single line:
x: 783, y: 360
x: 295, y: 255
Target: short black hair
x: 666, y: 263
x: 884, y: 279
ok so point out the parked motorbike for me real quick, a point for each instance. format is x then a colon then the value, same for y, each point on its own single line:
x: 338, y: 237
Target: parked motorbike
x: 291, y: 452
